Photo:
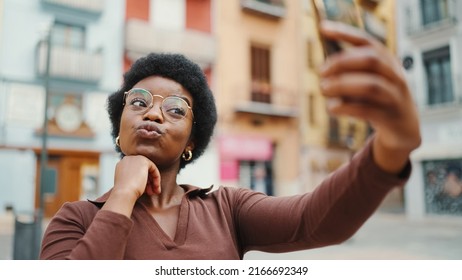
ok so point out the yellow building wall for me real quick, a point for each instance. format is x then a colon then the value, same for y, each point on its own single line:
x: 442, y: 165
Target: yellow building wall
x: 236, y: 31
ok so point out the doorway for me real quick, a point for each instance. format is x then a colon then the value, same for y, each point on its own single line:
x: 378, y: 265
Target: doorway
x: 76, y: 179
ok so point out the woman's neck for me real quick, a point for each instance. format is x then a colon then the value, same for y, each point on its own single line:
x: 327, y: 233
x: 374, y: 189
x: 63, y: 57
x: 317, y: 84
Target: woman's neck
x: 171, y: 193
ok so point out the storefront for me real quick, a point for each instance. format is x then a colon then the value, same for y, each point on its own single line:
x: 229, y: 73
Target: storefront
x: 247, y: 161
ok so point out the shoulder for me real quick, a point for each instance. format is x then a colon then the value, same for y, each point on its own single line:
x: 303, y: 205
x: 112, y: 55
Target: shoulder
x: 225, y: 201
x: 81, y: 207
x: 217, y: 193
x: 235, y: 196
x: 79, y: 212
x: 227, y: 191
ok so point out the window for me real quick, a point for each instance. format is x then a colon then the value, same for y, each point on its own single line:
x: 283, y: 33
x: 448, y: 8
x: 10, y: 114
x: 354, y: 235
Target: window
x: 67, y: 35
x: 260, y: 71
x: 439, y: 76
x: 443, y: 186
x: 434, y: 10
x: 257, y: 175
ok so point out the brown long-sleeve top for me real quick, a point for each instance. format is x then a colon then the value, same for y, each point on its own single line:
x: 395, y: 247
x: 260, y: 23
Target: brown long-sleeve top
x: 226, y: 223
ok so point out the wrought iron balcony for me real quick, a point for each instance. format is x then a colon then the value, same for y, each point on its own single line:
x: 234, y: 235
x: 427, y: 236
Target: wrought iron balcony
x: 95, y: 7
x: 420, y: 20
x: 69, y: 64
x: 267, y: 100
x: 271, y: 8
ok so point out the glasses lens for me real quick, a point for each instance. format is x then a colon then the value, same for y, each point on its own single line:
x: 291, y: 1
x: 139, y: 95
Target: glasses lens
x: 174, y: 108
x: 138, y: 99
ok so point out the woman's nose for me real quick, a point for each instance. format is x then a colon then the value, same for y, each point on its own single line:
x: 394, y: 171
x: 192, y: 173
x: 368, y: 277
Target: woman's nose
x: 154, y: 113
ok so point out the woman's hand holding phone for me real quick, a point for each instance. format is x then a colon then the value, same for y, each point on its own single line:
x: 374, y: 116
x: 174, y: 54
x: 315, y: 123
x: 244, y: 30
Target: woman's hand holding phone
x: 366, y: 81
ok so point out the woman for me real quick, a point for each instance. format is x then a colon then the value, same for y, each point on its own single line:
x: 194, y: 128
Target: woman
x: 163, y: 118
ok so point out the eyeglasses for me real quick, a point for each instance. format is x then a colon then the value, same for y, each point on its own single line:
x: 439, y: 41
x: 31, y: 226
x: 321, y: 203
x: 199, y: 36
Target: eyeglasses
x: 173, y: 108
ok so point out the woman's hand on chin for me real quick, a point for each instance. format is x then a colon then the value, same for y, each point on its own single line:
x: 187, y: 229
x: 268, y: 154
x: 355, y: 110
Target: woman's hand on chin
x: 134, y: 176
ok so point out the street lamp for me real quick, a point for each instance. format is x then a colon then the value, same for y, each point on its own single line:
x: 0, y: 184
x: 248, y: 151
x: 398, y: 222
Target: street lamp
x: 43, y: 153
x: 28, y: 234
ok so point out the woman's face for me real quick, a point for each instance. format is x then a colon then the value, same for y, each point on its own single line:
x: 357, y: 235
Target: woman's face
x: 161, y: 132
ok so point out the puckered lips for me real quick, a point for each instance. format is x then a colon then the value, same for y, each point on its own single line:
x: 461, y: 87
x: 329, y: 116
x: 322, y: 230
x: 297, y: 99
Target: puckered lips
x: 149, y: 130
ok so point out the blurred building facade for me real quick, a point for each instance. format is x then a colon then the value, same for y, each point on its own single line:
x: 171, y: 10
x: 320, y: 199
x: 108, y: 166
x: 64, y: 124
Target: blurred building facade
x: 429, y: 43
x: 261, y: 58
x: 84, y: 40
x: 258, y: 91
x: 92, y: 44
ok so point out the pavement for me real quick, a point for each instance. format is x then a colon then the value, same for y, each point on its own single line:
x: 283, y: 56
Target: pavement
x: 385, y: 236
x: 390, y: 236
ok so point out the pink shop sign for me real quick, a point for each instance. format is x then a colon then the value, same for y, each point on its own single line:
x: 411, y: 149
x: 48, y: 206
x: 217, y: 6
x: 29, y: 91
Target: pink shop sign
x: 245, y: 148
x: 229, y: 170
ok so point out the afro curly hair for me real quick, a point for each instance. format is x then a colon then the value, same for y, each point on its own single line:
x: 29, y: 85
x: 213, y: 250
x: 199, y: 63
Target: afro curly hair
x: 185, y: 72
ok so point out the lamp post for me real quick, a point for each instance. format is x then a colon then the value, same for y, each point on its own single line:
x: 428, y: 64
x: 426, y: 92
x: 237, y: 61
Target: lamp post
x: 28, y: 234
x: 44, y: 153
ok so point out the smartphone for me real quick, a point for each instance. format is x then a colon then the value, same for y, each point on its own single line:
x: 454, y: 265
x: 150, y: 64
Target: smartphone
x: 346, y: 11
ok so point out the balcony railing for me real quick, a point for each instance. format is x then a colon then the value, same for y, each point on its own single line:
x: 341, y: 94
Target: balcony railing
x: 416, y: 23
x: 70, y: 64
x: 141, y: 38
x: 275, y: 101
x: 89, y: 6
x: 271, y: 8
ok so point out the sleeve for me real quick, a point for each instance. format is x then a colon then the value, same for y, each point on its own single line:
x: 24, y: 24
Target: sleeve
x: 329, y: 215
x: 67, y: 235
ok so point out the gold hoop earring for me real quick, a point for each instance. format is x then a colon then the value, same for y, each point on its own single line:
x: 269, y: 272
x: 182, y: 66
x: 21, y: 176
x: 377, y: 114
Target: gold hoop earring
x: 187, y: 155
x: 117, y: 141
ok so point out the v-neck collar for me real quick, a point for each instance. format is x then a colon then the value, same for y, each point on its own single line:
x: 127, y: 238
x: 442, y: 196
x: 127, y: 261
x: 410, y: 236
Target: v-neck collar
x: 152, y: 224
x: 183, y: 216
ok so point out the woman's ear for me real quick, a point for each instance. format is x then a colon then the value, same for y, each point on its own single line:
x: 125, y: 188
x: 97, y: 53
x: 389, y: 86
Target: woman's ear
x: 190, y: 146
